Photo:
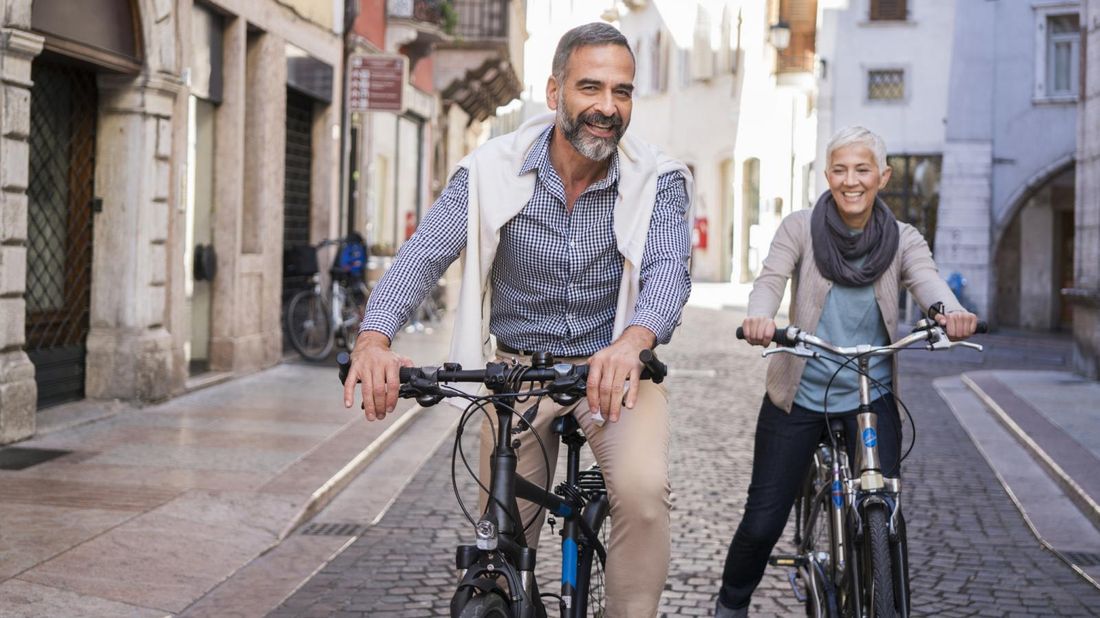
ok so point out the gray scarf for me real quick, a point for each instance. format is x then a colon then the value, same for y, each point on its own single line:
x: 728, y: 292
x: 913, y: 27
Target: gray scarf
x: 834, y: 245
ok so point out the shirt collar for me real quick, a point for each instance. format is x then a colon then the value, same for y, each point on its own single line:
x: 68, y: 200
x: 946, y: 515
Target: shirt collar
x: 538, y: 159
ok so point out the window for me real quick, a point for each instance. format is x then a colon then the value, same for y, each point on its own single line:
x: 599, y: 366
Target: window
x: 886, y: 84
x: 888, y: 10
x: 1058, y: 41
x: 913, y: 193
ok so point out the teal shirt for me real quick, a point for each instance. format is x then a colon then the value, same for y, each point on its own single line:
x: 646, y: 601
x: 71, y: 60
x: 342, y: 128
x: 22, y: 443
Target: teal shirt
x: 851, y: 317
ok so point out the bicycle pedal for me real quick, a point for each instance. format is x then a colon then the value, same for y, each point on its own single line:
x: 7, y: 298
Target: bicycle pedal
x: 787, y: 561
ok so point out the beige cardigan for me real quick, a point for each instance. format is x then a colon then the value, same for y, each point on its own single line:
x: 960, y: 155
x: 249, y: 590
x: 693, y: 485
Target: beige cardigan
x: 498, y: 192
x: 791, y: 257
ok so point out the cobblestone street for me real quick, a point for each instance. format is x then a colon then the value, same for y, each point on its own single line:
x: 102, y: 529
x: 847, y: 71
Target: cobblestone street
x: 972, y: 553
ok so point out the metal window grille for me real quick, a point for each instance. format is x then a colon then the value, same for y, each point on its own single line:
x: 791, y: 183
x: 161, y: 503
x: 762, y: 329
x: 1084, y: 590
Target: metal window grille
x: 296, y: 184
x: 886, y: 85
x: 481, y: 19
x: 888, y: 10
x: 60, y: 209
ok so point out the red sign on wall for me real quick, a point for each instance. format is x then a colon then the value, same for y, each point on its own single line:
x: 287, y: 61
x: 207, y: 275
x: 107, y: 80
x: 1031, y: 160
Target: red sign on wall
x: 376, y: 83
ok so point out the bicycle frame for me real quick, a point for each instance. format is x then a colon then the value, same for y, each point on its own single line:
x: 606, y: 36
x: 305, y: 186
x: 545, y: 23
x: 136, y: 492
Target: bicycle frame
x: 505, y: 534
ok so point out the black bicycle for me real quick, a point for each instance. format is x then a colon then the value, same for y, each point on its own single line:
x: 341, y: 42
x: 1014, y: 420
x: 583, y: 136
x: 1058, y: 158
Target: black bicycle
x: 851, y: 554
x: 498, y: 569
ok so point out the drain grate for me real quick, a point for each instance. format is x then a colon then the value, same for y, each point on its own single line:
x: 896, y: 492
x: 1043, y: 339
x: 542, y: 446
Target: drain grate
x: 20, y: 457
x: 1082, y: 558
x: 320, y: 529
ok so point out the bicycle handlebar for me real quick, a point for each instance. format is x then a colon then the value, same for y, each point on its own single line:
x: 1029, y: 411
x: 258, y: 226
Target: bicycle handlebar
x: 493, y: 373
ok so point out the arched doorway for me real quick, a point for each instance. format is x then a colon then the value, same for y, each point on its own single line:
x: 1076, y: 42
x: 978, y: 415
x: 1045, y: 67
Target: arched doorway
x: 1034, y: 258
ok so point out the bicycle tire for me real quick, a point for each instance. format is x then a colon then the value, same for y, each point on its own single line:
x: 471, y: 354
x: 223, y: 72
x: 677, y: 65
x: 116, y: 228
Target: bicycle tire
x: 880, y: 588
x: 488, y: 605
x: 308, y: 325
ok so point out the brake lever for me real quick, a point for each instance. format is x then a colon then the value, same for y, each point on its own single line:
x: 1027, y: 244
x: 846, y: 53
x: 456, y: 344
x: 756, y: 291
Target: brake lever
x: 798, y: 350
x: 967, y: 344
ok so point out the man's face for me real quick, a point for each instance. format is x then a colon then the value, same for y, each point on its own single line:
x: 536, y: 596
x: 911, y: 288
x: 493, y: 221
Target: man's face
x: 594, y: 100
x: 854, y: 180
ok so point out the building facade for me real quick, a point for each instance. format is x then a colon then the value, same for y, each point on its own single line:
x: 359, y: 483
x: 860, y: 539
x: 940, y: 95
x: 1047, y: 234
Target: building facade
x: 709, y: 82
x: 149, y: 152
x: 1005, y: 218
x: 1085, y: 292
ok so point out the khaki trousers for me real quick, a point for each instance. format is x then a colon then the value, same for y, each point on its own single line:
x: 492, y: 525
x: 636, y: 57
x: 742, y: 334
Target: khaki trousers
x: 633, y: 455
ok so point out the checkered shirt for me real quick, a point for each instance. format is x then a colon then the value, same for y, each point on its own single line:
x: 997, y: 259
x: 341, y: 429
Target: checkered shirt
x: 556, y: 275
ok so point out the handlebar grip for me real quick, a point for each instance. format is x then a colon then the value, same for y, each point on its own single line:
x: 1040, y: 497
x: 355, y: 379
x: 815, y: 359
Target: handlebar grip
x: 657, y: 369
x: 779, y: 337
x: 404, y: 374
x: 983, y: 327
x: 344, y: 359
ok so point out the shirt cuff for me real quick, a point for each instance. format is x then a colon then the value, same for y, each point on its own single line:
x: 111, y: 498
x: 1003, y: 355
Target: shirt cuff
x: 382, y: 322
x: 654, y: 322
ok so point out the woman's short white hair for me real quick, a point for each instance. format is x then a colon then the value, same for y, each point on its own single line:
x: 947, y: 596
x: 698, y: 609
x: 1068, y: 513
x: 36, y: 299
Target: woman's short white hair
x: 850, y: 136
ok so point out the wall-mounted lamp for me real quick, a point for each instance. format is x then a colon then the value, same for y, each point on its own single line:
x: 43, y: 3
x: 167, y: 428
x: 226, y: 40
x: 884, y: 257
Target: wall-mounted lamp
x: 780, y: 35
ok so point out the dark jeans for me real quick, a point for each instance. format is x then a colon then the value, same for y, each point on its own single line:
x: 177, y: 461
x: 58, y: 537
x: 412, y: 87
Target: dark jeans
x: 781, y: 457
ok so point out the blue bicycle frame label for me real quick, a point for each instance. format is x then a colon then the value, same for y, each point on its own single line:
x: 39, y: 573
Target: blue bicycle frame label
x: 870, y: 437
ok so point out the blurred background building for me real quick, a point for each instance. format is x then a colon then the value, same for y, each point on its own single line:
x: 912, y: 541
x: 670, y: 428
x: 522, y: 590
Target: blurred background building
x: 159, y: 157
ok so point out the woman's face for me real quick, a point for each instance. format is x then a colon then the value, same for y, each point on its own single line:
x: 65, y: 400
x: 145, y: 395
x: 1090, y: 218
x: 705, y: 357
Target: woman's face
x: 854, y: 180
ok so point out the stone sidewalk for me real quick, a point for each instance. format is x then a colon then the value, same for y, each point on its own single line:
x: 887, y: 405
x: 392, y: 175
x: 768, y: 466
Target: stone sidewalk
x: 145, y: 510
x: 1039, y: 429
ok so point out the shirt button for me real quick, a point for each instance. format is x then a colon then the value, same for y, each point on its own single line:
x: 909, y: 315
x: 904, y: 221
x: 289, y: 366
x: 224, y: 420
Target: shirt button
x: 572, y: 244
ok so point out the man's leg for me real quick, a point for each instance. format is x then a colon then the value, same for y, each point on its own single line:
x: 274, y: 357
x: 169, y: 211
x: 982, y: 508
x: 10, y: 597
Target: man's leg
x: 633, y: 455
x: 781, y: 456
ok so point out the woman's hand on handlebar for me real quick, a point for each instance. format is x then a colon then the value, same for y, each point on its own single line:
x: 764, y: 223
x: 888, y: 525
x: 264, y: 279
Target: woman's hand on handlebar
x: 758, y: 330
x: 377, y: 367
x: 958, y: 324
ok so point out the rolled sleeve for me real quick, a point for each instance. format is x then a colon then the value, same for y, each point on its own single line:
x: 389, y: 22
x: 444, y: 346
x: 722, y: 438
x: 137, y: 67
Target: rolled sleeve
x: 664, y: 277
x: 438, y: 241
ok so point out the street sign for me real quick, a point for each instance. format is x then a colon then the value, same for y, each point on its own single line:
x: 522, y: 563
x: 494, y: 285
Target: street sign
x: 376, y: 83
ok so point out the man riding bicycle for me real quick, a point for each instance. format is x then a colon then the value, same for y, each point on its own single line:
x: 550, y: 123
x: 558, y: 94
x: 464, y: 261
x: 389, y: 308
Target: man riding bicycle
x: 847, y: 258
x: 575, y: 242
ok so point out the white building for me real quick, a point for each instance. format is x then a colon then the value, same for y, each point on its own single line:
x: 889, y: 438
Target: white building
x: 714, y: 91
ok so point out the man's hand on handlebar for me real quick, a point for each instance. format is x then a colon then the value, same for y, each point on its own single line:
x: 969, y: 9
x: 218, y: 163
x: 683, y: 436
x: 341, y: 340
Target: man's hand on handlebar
x: 377, y: 367
x: 612, y: 366
x: 958, y: 324
x: 759, y: 330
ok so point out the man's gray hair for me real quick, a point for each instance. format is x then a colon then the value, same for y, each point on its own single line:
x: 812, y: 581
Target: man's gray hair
x: 595, y: 33
x: 852, y: 136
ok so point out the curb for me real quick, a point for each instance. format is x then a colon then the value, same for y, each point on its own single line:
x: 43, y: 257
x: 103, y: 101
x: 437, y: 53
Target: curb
x: 332, y: 487
x: 1081, y: 499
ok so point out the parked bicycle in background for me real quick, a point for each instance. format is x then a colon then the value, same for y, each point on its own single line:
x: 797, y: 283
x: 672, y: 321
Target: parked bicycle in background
x: 318, y: 318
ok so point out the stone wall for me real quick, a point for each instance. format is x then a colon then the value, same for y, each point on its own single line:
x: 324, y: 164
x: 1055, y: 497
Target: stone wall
x: 1086, y: 314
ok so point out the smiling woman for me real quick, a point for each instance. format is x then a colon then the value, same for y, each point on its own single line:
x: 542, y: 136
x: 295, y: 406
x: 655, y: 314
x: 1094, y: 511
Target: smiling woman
x: 861, y: 255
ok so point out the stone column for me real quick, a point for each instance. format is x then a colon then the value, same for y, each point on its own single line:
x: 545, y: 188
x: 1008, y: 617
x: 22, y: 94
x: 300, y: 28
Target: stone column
x: 18, y: 392
x: 129, y: 348
x: 248, y: 192
x: 1086, y: 291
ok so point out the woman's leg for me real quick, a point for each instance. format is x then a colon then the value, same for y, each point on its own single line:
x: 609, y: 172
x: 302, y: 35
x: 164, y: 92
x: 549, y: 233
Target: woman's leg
x: 781, y: 455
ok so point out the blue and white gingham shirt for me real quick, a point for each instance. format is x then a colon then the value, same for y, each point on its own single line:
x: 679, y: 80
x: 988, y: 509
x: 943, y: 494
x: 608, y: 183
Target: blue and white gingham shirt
x: 556, y: 275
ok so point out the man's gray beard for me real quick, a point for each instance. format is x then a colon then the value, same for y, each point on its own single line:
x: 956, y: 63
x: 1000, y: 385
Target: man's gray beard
x: 590, y: 146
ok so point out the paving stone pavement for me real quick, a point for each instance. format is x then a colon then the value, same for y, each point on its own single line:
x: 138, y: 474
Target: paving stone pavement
x: 971, y: 552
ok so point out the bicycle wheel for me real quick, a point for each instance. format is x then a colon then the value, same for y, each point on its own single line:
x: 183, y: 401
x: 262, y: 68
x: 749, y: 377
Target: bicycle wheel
x: 308, y: 326
x: 879, y: 570
x: 489, y: 605
x: 591, y: 581
x: 819, y: 546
